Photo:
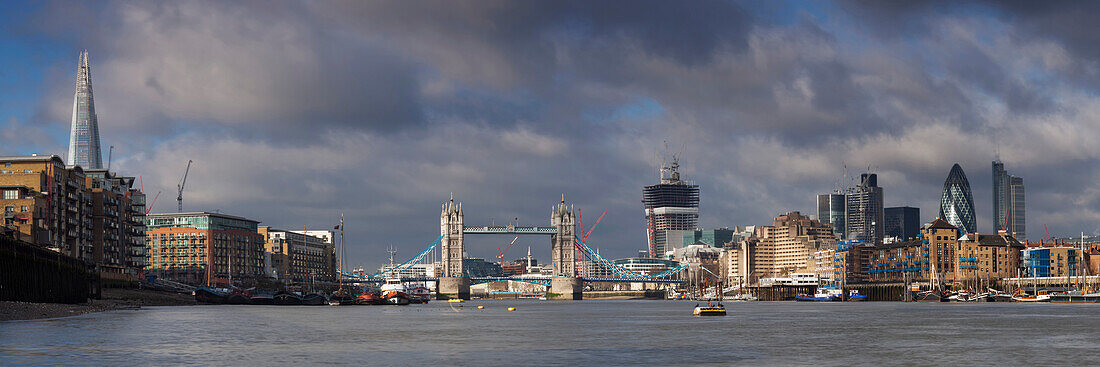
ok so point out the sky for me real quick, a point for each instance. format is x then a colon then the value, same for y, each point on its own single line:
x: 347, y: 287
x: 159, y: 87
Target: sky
x: 297, y: 112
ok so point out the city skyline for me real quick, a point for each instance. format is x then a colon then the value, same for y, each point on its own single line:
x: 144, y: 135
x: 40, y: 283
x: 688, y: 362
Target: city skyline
x: 338, y: 110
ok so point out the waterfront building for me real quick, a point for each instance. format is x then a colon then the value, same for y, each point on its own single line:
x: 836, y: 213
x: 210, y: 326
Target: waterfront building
x: 670, y: 205
x: 711, y: 237
x: 956, y: 202
x: 902, y: 222
x: 413, y: 271
x: 84, y: 147
x: 298, y: 257
x: 962, y: 260
x: 832, y: 209
x: 646, y: 265
x: 740, y: 261
x: 844, y: 264
x: 915, y: 259
x: 47, y: 203
x: 787, y: 245
x: 476, y: 267
x: 198, y: 247
x: 1009, y: 208
x: 1059, y: 261
x: 983, y: 258
x: 863, y: 219
x: 118, y: 222
x: 700, y: 255
x: 329, y: 238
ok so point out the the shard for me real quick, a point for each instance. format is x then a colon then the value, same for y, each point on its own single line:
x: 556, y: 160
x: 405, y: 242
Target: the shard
x: 84, y: 134
x: 957, y: 204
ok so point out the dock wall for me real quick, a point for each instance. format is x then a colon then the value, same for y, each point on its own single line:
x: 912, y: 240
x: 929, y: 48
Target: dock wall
x: 32, y: 274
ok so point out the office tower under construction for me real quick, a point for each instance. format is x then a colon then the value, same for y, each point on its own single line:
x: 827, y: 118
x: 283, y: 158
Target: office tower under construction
x: 670, y: 205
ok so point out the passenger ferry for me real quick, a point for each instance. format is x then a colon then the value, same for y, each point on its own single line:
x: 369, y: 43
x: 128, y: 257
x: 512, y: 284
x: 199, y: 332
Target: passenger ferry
x: 710, y: 310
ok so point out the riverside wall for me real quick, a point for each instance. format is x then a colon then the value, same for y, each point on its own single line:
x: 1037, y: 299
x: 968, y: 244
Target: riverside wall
x: 33, y: 274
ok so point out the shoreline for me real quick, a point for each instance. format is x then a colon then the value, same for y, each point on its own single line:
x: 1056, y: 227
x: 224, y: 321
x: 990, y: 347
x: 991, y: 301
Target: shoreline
x: 113, y: 300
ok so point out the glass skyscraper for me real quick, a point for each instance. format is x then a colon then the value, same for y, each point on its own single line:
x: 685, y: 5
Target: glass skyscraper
x: 832, y: 209
x: 957, y: 203
x: 863, y: 219
x: 1009, y: 210
x: 84, y: 134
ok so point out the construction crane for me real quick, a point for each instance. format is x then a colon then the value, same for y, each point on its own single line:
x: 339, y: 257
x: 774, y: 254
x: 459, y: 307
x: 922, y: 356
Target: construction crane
x: 500, y: 253
x: 179, y: 195
x: 149, y: 208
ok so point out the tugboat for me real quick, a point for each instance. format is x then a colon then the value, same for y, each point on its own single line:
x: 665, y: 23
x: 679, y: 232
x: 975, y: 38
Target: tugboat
x: 419, y: 294
x: 855, y: 296
x: 820, y: 296
x: 393, y: 292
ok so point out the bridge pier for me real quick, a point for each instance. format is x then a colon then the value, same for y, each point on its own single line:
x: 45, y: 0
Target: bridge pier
x: 565, y: 288
x: 453, y: 287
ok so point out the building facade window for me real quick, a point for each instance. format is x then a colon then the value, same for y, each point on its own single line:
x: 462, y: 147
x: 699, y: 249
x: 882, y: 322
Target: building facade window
x: 11, y: 194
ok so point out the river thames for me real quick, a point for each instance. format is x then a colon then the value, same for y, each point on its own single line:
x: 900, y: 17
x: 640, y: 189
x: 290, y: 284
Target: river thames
x: 592, y: 332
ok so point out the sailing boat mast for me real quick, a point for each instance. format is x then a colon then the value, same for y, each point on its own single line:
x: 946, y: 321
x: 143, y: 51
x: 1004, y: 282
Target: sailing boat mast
x: 339, y: 274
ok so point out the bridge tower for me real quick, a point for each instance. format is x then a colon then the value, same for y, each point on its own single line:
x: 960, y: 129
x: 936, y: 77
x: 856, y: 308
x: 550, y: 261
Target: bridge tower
x: 453, y: 282
x: 565, y: 284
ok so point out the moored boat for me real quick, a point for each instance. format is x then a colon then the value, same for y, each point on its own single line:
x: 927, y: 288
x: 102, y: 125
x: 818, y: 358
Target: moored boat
x: 855, y: 296
x: 314, y: 299
x: 238, y: 299
x: 1075, y: 297
x: 262, y: 299
x: 209, y: 295
x: 393, y: 292
x: 368, y: 298
x: 419, y: 294
x: 285, y: 298
x: 929, y: 296
x: 1041, y: 296
x: 816, y: 297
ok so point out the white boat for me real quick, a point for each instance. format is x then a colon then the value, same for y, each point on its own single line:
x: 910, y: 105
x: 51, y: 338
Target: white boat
x: 394, y: 292
x: 744, y: 297
x: 1024, y: 297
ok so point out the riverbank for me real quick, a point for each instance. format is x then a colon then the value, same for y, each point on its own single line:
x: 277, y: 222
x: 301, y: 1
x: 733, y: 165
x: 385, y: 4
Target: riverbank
x: 113, y: 299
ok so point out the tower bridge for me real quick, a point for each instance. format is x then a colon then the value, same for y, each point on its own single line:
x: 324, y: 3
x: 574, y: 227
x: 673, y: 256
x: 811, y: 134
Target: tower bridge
x: 454, y: 282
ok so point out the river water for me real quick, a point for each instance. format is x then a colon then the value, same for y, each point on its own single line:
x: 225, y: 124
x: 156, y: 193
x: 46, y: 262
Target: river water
x: 585, y: 333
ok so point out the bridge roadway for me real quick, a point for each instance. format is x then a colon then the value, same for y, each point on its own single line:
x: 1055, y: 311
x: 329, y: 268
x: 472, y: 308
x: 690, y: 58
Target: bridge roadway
x: 542, y: 281
x: 509, y: 229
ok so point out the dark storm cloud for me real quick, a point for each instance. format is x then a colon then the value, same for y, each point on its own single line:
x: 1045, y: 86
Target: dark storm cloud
x: 297, y: 112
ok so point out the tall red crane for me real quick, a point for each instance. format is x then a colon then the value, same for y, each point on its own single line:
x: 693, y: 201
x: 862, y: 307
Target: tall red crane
x: 501, y: 252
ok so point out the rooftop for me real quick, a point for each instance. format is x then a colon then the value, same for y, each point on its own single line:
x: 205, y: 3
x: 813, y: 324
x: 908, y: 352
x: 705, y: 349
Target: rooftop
x: 199, y: 214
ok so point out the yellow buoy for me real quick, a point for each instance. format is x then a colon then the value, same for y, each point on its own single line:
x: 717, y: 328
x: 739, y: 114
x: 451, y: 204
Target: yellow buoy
x: 480, y: 307
x: 511, y: 308
x: 458, y: 305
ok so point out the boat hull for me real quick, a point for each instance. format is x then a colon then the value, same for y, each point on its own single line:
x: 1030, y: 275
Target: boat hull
x: 207, y: 295
x: 398, y: 300
x: 806, y: 298
x: 710, y: 311
x: 237, y: 299
x: 262, y: 300
x: 929, y: 297
x: 314, y: 299
x: 1075, y: 298
x: 287, y: 299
